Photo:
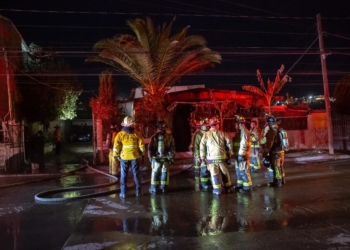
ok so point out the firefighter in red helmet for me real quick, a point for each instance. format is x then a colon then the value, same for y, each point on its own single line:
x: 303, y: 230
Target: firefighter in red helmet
x: 215, y: 150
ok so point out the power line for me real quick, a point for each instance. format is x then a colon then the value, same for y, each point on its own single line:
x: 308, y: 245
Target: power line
x: 160, y: 14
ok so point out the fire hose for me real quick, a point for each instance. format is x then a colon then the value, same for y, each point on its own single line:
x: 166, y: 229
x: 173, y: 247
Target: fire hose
x: 46, y: 196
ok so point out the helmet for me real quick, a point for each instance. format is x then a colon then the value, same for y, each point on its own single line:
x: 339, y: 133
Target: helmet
x: 202, y: 124
x: 128, y: 121
x: 239, y: 119
x: 213, y: 121
x: 272, y: 120
x: 161, y: 125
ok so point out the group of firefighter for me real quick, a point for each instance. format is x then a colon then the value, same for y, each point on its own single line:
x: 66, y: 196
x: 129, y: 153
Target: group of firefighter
x: 212, y: 151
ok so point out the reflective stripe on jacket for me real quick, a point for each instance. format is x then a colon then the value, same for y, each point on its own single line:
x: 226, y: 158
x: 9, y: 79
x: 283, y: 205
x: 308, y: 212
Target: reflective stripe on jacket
x: 196, y: 141
x: 128, y: 146
x: 241, y: 141
x: 215, y: 146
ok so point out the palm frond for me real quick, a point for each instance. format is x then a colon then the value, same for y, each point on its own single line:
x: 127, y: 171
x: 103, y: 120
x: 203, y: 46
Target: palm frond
x: 139, y: 27
x: 254, y: 90
x: 165, y: 32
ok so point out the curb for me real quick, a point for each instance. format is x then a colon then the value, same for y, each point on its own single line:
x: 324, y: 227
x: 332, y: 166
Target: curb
x: 317, y: 158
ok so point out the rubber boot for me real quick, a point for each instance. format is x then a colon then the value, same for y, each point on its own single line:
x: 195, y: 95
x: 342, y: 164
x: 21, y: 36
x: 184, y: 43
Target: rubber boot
x: 152, y: 190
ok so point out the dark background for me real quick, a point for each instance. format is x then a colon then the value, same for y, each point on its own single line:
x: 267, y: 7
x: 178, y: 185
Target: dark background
x: 250, y: 35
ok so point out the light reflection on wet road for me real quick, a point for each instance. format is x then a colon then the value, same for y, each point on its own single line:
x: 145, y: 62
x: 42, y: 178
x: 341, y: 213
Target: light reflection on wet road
x: 311, y: 211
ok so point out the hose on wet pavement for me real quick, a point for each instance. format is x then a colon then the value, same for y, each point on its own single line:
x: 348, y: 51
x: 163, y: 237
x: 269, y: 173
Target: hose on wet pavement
x: 46, y: 196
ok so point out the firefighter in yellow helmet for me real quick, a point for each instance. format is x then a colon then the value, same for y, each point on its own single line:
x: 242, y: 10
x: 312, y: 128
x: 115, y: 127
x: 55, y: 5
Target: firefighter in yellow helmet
x: 255, y: 145
x: 201, y: 172
x: 128, y: 149
x: 241, y: 150
x: 215, y: 150
x: 161, y: 153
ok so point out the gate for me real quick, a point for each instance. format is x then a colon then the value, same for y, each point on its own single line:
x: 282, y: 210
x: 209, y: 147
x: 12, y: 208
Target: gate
x: 341, y: 131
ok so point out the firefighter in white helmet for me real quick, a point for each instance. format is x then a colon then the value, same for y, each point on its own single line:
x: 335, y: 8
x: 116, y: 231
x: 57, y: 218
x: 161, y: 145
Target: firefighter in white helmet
x: 215, y: 150
x: 129, y: 149
x: 241, y: 151
x: 161, y: 153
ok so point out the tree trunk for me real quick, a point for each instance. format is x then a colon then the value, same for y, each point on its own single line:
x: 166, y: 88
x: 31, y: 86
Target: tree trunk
x: 221, y: 121
x: 99, y: 139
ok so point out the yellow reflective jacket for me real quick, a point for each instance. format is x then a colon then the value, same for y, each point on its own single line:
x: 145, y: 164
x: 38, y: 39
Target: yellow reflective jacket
x: 215, y: 146
x: 196, y: 141
x: 241, y: 141
x: 128, y: 145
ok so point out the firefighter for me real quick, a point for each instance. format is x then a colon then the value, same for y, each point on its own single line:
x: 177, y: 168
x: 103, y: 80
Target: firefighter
x: 161, y: 153
x: 113, y: 163
x: 276, y: 144
x: 266, y: 159
x: 201, y: 172
x: 128, y: 149
x: 215, y: 150
x: 241, y: 151
x: 254, y: 150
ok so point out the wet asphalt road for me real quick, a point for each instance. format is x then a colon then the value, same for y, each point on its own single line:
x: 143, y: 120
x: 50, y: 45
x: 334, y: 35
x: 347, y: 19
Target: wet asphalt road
x: 312, y: 211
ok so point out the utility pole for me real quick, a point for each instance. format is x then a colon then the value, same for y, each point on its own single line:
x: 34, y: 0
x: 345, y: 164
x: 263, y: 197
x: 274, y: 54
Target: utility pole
x: 325, y: 85
x: 9, y: 98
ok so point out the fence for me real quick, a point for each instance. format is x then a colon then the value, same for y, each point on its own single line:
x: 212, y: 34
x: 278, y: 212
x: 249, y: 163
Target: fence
x: 341, y: 131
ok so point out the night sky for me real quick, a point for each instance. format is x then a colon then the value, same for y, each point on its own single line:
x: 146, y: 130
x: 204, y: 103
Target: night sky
x: 249, y: 35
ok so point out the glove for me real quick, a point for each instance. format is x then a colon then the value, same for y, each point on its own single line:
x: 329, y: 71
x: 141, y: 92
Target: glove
x: 241, y: 158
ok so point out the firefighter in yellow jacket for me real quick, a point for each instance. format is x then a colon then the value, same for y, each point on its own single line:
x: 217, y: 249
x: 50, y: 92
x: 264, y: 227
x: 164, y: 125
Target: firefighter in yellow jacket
x: 128, y: 149
x: 113, y: 163
x: 161, y: 153
x: 255, y: 145
x: 201, y: 172
x: 241, y: 151
x: 215, y: 150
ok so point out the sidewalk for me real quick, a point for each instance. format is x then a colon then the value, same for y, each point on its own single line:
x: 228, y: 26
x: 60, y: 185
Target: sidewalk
x: 73, y: 153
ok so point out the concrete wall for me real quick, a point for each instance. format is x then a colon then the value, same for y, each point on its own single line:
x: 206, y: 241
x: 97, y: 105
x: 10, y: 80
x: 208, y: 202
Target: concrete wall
x: 316, y: 135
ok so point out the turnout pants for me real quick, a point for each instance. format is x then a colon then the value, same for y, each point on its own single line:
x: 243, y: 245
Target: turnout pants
x: 160, y: 175
x: 277, y: 161
x: 113, y: 164
x: 219, y: 174
x: 244, y: 179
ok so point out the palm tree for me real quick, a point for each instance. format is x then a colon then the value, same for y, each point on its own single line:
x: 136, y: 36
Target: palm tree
x: 272, y: 87
x: 155, y: 59
x: 103, y: 107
